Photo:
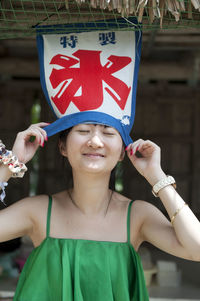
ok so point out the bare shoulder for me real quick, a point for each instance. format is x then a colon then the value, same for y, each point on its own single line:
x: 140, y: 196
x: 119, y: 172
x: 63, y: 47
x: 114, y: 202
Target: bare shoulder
x: 32, y: 203
x: 141, y: 205
x: 144, y: 209
x: 34, y: 207
x: 28, y: 204
x: 20, y: 218
x: 136, y: 216
x: 137, y: 207
x: 140, y: 210
x: 137, y: 212
x: 38, y: 205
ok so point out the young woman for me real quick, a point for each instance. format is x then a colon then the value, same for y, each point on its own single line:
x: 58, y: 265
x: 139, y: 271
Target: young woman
x: 86, y: 239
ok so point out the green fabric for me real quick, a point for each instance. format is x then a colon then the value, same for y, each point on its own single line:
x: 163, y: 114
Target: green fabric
x: 82, y: 270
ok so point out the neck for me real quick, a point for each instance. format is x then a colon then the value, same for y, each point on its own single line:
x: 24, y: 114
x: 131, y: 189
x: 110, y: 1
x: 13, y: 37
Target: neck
x: 91, y: 194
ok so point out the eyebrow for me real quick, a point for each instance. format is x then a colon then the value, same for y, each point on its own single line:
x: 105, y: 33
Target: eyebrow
x: 104, y: 125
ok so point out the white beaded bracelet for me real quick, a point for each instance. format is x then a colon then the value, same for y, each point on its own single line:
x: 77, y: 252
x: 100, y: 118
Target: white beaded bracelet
x: 7, y: 158
x: 3, y: 194
x: 169, y: 180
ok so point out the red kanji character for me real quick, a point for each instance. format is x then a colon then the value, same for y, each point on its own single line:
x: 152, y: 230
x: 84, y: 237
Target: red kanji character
x: 87, y: 78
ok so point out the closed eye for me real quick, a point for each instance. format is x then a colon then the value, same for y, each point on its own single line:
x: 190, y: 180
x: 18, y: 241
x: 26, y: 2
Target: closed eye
x: 83, y: 131
x: 109, y: 134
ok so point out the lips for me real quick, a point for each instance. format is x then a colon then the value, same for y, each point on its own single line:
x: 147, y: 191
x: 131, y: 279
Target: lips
x: 94, y: 155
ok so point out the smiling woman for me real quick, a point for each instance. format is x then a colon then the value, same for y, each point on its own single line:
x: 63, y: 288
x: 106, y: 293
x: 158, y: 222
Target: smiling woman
x: 86, y: 238
x: 91, y: 227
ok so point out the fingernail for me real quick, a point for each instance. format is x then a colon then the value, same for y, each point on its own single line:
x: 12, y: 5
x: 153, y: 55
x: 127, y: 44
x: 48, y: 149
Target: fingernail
x: 46, y: 138
x: 137, y: 148
x: 43, y: 144
x: 126, y: 148
x: 131, y: 152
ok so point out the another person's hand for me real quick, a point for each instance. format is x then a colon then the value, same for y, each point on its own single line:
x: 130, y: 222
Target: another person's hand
x: 24, y: 148
x: 145, y: 157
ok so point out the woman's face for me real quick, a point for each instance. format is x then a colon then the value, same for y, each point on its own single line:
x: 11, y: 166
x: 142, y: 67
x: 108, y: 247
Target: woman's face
x: 93, y: 148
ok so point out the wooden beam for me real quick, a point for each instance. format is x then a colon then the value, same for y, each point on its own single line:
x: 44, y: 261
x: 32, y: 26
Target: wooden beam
x: 149, y: 70
x: 19, y: 67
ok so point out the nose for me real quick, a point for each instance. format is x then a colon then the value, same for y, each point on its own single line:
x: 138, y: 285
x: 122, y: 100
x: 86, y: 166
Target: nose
x: 95, y: 141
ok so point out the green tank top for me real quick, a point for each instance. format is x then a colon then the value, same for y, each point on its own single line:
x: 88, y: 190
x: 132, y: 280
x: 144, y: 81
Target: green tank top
x: 65, y: 269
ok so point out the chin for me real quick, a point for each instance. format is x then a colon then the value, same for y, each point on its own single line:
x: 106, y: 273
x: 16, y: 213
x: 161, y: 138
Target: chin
x: 94, y: 168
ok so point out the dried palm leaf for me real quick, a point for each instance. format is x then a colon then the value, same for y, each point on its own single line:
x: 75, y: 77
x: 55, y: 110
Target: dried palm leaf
x: 196, y: 4
x: 156, y: 9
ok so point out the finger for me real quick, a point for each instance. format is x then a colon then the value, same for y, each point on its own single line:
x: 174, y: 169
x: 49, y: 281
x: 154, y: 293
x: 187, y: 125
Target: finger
x: 140, y: 147
x: 147, y: 149
x: 129, y: 149
x: 41, y: 124
x: 43, y: 133
x: 147, y: 144
x: 38, y: 128
x: 135, y: 146
x: 143, y: 146
x: 34, y: 132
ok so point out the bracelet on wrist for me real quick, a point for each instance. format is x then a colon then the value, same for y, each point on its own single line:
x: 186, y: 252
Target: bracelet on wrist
x: 177, y: 212
x: 3, y: 194
x: 7, y: 158
x: 169, y: 180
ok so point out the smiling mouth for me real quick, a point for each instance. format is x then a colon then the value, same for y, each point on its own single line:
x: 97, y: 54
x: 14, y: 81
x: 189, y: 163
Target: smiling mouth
x: 94, y: 155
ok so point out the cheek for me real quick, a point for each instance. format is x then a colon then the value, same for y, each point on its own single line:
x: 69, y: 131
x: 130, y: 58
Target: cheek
x: 72, y: 145
x: 72, y: 141
x: 117, y: 150
x: 119, y: 146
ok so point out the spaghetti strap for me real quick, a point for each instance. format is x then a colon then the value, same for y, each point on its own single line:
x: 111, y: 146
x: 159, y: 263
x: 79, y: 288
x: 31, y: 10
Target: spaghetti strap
x: 49, y: 216
x: 128, y: 221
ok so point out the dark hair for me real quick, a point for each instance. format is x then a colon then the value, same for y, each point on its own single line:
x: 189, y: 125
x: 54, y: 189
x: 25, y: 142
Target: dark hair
x: 63, y: 135
x: 67, y: 169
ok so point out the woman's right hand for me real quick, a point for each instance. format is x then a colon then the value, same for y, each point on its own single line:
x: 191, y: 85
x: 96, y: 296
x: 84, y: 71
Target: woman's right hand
x: 23, y: 147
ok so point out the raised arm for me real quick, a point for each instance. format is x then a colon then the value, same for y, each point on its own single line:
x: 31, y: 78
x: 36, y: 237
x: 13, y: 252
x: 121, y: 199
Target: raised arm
x: 16, y: 220
x: 181, y: 236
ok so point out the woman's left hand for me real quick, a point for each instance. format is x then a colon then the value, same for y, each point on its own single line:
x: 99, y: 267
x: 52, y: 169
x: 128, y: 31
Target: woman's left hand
x: 147, y: 161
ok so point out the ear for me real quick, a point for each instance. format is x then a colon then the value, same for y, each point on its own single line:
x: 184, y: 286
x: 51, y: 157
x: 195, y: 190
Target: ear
x: 62, y: 148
